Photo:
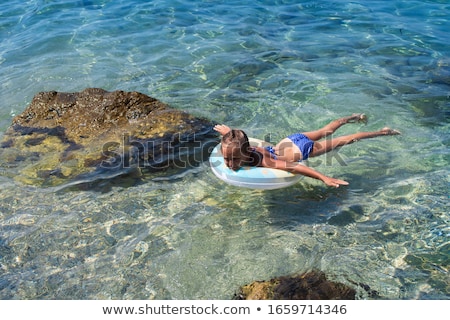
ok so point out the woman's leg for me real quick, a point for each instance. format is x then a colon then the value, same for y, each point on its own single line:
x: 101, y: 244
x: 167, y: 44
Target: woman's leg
x: 321, y: 147
x: 286, y: 150
x: 334, y: 125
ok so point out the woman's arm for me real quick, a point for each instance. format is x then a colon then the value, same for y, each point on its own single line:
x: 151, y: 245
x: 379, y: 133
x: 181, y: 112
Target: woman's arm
x: 295, y: 167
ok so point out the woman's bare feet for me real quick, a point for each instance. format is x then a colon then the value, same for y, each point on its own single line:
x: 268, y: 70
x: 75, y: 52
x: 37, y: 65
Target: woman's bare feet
x: 389, y: 132
x: 356, y: 117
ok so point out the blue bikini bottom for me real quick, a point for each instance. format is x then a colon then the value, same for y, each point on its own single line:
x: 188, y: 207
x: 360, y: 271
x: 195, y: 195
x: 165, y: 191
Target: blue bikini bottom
x: 301, y: 141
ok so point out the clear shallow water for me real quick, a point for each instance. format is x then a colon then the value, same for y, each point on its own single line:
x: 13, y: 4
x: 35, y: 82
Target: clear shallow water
x: 270, y: 67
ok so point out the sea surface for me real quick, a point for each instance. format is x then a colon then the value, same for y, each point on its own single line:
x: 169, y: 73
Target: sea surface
x: 271, y: 68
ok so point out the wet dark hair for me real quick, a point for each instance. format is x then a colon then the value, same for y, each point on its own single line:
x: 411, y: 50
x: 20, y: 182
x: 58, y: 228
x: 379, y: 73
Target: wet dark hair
x: 236, y: 139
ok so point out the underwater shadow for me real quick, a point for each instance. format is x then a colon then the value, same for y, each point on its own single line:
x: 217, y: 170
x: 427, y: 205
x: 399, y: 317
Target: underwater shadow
x: 303, y: 203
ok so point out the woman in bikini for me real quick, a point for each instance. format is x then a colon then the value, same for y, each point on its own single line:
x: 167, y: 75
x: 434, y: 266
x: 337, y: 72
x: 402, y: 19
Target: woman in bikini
x: 286, y: 154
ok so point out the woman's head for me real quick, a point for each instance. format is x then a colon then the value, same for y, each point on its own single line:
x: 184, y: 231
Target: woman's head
x: 235, y: 149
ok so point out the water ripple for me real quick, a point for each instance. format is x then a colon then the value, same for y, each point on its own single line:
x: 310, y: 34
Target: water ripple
x: 272, y: 68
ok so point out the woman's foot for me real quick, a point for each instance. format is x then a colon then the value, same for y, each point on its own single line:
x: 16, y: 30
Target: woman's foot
x: 356, y: 117
x: 389, y: 132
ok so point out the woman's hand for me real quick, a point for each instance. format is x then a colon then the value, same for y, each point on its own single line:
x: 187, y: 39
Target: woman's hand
x: 222, y: 129
x: 332, y: 182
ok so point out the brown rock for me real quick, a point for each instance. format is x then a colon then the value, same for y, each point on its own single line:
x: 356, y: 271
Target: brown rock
x: 308, y: 286
x: 94, y: 133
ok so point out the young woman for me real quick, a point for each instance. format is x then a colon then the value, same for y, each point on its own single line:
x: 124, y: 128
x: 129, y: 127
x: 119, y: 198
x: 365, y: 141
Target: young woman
x: 286, y: 154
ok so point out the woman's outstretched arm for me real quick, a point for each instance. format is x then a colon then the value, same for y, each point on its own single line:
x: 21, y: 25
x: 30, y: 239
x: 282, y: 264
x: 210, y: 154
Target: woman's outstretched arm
x: 298, y: 168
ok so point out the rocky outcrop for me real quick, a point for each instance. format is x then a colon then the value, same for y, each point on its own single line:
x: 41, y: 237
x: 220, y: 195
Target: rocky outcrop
x: 96, y: 134
x: 307, y: 286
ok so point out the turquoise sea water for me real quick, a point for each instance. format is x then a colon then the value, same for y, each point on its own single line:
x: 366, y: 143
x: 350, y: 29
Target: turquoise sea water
x: 270, y: 67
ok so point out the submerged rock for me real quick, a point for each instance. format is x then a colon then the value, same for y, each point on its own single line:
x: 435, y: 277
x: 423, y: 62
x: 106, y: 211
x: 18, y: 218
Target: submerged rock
x: 307, y: 286
x: 96, y: 134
